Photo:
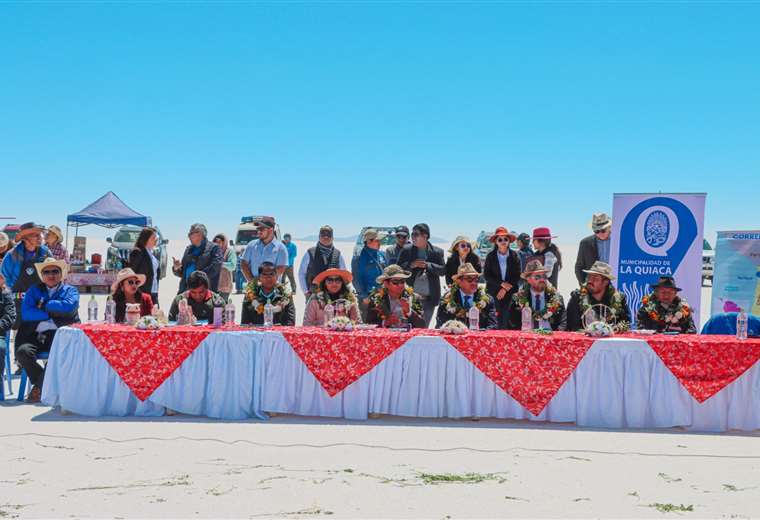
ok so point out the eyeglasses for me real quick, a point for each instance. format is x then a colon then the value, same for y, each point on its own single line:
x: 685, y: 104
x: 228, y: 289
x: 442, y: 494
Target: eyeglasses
x: 501, y: 240
x: 464, y: 245
x: 469, y: 279
x: 333, y: 279
x: 51, y: 272
x: 133, y: 282
x: 397, y: 282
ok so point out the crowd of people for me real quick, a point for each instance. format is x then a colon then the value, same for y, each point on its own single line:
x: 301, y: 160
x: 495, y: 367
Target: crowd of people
x: 396, y: 287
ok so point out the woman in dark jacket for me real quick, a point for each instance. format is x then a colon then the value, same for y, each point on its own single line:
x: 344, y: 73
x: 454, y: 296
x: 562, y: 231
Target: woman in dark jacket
x: 547, y: 253
x: 142, y: 261
x: 461, y: 253
x: 502, y: 274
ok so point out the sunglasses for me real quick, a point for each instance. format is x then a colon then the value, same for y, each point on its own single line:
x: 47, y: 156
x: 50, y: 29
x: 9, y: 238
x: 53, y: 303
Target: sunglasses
x: 470, y: 279
x: 397, y: 282
x: 51, y: 272
x: 502, y: 240
x: 333, y: 279
x: 464, y: 246
x: 538, y: 276
x: 133, y: 282
x: 600, y: 231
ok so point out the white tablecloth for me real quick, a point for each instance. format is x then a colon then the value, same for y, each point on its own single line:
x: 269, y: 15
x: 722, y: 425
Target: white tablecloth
x: 620, y: 383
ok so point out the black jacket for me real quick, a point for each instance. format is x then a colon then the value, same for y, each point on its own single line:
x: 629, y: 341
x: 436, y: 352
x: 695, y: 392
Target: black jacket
x: 452, y: 265
x: 7, y: 312
x: 140, y: 262
x: 487, y: 315
x: 435, y: 267
x: 574, y: 312
x: 587, y: 255
x: 209, y: 261
x: 492, y: 274
x: 285, y: 317
x: 558, y: 321
x: 375, y: 315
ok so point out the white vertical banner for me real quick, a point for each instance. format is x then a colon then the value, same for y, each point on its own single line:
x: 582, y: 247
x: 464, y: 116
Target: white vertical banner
x: 657, y: 235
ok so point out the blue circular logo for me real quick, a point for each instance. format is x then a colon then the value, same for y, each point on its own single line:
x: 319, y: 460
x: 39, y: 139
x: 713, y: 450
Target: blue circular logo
x: 656, y: 228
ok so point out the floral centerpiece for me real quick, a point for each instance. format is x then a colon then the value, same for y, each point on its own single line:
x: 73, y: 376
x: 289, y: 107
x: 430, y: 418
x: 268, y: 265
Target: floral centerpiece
x: 148, y: 323
x: 599, y: 329
x: 454, y: 327
x: 340, y: 324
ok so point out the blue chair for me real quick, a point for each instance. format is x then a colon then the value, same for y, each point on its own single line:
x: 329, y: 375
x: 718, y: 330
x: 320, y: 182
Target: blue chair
x: 725, y: 323
x: 8, y: 370
x: 42, y: 356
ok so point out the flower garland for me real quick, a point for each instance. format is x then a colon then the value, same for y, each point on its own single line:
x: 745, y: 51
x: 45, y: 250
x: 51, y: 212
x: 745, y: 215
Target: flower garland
x: 616, y: 305
x: 453, y: 306
x: 551, y: 296
x: 346, y: 294
x: 658, y: 313
x: 378, y: 294
x: 282, y: 296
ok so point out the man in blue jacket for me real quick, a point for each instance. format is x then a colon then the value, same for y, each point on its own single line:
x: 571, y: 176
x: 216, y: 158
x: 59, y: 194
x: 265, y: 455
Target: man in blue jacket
x: 367, y: 266
x: 46, y: 307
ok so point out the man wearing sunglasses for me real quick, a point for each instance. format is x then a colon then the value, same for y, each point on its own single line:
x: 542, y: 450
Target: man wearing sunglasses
x: 402, y: 238
x: 546, y: 304
x: 426, y: 263
x: 318, y: 259
x: 47, y: 307
x: 464, y: 294
x: 594, y: 247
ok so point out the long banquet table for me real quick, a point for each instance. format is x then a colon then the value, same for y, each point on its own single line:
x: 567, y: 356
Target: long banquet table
x: 702, y: 383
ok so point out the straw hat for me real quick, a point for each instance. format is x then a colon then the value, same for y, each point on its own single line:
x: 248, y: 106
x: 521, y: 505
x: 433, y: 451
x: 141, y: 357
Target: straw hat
x: 600, y: 222
x: 52, y: 262
x: 458, y: 240
x: 4, y: 240
x: 56, y: 231
x: 501, y: 231
x: 533, y: 267
x: 345, y: 275
x: 126, y: 274
x: 602, y: 269
x: 393, y: 272
x: 373, y: 234
x: 27, y: 229
x: 465, y: 270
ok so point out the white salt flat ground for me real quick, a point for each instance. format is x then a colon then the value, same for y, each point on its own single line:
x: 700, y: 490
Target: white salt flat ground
x: 291, y: 467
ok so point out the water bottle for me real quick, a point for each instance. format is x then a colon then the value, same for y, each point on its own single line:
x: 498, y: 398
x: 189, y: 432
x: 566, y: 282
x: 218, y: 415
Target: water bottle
x: 229, y: 314
x: 473, y: 316
x: 110, y: 312
x: 527, y: 318
x: 329, y: 312
x: 268, y: 315
x: 92, y: 309
x: 218, y: 310
x: 741, y: 324
x: 544, y: 325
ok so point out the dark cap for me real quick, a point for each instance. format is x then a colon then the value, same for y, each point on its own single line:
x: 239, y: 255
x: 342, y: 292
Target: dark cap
x: 524, y: 238
x: 266, y: 222
x: 402, y: 230
x: 666, y: 282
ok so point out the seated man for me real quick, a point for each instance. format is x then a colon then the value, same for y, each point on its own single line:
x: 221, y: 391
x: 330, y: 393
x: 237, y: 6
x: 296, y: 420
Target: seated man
x: 7, y: 319
x: 262, y: 289
x: 539, y: 295
x: 393, y: 303
x: 598, y: 290
x: 664, y: 311
x: 464, y: 293
x: 198, y: 296
x: 46, y: 307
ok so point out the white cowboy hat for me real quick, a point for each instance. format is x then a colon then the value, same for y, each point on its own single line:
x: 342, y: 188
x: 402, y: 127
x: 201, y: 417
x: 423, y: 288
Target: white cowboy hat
x: 52, y: 262
x: 126, y: 274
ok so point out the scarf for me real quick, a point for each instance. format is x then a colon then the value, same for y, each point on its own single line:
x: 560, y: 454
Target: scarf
x: 325, y: 251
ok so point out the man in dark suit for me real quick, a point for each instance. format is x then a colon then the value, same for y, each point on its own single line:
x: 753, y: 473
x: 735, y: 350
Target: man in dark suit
x: 427, y: 265
x: 594, y: 247
x: 464, y: 294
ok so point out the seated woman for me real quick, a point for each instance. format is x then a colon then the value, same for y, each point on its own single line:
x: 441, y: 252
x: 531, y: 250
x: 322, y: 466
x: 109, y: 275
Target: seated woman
x: 262, y: 289
x: 199, y: 298
x: 394, y: 303
x: 126, y: 289
x: 332, y: 287
x: 664, y: 310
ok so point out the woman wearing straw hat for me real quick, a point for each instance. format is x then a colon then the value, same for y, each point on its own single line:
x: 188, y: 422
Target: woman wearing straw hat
x: 502, y: 273
x: 332, y: 287
x: 547, y: 253
x: 462, y: 252
x: 126, y: 289
x: 54, y: 243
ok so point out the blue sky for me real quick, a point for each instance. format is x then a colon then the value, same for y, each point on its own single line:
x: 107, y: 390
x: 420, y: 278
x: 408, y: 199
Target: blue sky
x: 462, y: 115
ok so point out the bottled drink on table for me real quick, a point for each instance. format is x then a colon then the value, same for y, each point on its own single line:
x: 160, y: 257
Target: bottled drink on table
x: 527, y: 318
x: 229, y: 314
x: 742, y: 324
x: 218, y: 311
x: 268, y: 315
x: 473, y: 316
x: 110, y: 312
x: 329, y: 312
x: 92, y: 309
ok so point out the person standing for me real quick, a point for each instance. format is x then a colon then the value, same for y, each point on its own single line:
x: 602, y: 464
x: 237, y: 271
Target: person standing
x: 594, y: 247
x: 287, y: 241
x: 426, y: 263
x: 461, y: 252
x: 143, y: 262
x: 266, y: 248
x: 54, y: 243
x: 5, y: 245
x: 524, y: 251
x: 229, y: 264
x: 200, y: 255
x: 392, y: 252
x: 367, y: 266
x: 502, y: 274
x: 318, y: 259
x: 547, y: 253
